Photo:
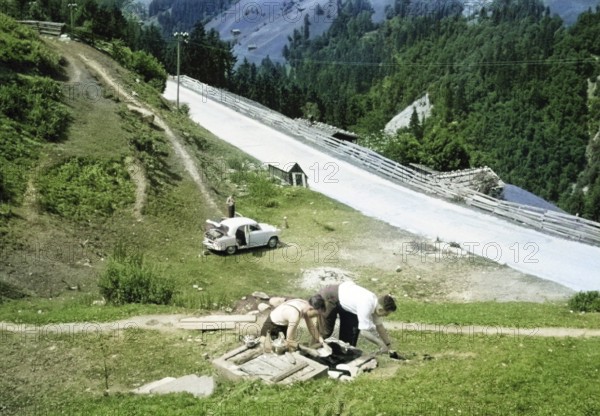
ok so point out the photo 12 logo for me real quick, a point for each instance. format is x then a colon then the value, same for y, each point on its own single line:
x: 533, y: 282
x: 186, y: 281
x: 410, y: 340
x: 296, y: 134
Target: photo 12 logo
x: 289, y: 252
x: 440, y: 251
x: 91, y: 91
x: 294, y: 174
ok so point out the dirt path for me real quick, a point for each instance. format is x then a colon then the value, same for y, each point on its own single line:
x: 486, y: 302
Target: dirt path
x: 168, y: 323
x: 136, y: 171
x: 182, y: 154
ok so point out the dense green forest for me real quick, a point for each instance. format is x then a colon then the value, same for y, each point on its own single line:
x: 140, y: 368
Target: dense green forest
x: 512, y: 87
x: 509, y: 88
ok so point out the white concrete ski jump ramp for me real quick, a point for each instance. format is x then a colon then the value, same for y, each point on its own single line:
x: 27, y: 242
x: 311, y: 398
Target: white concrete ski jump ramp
x: 568, y: 263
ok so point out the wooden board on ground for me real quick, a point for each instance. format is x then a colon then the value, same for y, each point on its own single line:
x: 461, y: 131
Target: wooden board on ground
x: 253, y: 363
x: 221, y: 318
x: 244, y: 323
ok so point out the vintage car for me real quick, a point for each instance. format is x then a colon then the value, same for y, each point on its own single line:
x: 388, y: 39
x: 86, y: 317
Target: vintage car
x: 232, y: 234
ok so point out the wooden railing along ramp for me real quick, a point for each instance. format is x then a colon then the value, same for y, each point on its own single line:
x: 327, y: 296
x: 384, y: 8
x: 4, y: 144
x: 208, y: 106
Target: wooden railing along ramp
x: 564, y: 225
x: 45, y: 28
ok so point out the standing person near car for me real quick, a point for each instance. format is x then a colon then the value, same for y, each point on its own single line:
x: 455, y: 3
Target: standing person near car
x: 360, y: 312
x: 286, y: 318
x: 231, y: 206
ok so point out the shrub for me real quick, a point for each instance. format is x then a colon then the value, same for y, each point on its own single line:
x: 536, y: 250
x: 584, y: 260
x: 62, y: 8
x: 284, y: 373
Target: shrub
x: 121, y: 53
x: 142, y: 63
x: 21, y: 50
x: 127, y: 279
x: 585, y: 302
x: 148, y: 67
x: 81, y: 188
x: 35, y: 103
x: 9, y: 291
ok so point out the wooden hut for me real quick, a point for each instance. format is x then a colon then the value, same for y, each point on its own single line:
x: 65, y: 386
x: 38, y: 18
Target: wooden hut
x: 290, y: 173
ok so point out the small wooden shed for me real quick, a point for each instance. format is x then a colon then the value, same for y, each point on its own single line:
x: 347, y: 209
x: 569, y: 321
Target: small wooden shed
x: 290, y: 173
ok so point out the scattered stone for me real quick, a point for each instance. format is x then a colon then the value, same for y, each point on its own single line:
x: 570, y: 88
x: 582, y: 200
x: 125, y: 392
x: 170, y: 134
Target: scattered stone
x: 263, y: 307
x: 260, y: 295
x: 195, y: 286
x: 243, y: 298
x: 255, y: 312
x: 101, y: 302
x: 315, y: 279
x: 398, y: 269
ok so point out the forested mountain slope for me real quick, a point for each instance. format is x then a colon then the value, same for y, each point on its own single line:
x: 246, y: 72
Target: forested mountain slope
x: 509, y: 88
x: 265, y: 27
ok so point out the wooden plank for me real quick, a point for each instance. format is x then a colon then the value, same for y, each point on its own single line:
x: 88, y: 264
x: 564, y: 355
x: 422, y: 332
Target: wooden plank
x: 267, y: 366
x: 220, y: 318
x: 207, y: 326
x: 234, y: 352
x: 246, y: 356
x: 285, y: 374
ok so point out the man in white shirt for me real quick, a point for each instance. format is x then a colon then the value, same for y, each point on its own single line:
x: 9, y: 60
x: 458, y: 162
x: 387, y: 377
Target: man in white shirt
x: 360, y: 312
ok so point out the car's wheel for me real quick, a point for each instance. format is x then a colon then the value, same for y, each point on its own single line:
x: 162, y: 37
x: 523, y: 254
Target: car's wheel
x: 273, y: 241
x: 231, y: 249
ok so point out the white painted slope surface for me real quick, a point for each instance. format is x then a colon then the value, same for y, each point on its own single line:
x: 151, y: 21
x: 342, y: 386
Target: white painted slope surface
x: 569, y: 263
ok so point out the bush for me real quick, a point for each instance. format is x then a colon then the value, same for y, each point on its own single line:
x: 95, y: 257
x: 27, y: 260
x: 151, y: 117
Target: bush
x: 35, y: 104
x: 81, y: 188
x: 148, y: 67
x: 128, y: 279
x: 585, y: 302
x: 21, y: 50
x: 142, y: 63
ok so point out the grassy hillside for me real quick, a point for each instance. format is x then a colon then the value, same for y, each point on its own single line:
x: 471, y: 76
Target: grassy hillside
x: 75, y: 212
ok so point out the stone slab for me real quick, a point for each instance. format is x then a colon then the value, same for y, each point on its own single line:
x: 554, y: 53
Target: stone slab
x: 198, y: 386
x: 147, y: 388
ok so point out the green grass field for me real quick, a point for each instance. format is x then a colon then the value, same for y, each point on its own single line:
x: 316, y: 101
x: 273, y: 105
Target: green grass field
x: 469, y: 375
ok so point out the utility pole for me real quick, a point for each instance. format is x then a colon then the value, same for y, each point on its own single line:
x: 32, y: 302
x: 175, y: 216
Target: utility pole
x: 71, y: 6
x: 180, y: 36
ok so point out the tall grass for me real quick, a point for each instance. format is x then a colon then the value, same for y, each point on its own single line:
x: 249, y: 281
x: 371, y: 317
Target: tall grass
x: 127, y: 279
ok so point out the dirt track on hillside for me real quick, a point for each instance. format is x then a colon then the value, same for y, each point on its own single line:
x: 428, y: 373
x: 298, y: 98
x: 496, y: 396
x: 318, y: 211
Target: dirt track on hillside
x: 81, y: 61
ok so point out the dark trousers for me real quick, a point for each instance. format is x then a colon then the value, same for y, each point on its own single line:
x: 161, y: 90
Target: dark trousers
x: 273, y: 328
x: 231, y: 210
x: 348, y: 324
